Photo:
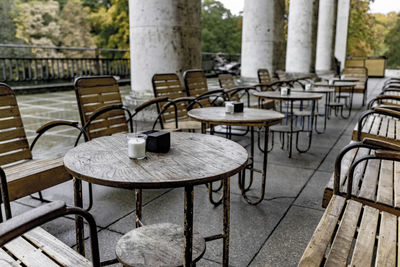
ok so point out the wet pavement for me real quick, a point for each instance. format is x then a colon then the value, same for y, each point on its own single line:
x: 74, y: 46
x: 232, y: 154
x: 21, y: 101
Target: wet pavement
x: 273, y: 233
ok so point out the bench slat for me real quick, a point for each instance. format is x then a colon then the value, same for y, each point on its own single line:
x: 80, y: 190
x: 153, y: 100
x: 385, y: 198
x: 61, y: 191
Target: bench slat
x: 396, y: 186
x: 386, y: 252
x: 341, y: 246
x: 364, y: 247
x: 385, y: 185
x: 7, y: 261
x: 371, y: 178
x: 322, y: 236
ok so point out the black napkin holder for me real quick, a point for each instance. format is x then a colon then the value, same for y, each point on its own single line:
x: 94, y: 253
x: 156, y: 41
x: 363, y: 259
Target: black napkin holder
x: 238, y: 106
x: 157, y: 141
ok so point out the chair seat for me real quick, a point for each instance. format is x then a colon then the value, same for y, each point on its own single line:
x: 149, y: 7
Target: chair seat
x: 34, y: 175
x: 284, y: 129
x: 183, y: 125
x: 352, y: 234
x: 157, y: 245
x: 39, y: 248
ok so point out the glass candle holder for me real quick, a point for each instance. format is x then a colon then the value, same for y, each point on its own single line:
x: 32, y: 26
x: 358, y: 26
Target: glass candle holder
x: 229, y: 108
x: 136, y: 146
x: 284, y: 91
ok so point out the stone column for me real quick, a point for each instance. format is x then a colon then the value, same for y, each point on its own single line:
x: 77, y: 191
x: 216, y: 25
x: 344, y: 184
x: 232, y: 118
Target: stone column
x: 262, y: 37
x: 165, y: 37
x: 302, y: 35
x: 326, y: 36
x: 342, y: 26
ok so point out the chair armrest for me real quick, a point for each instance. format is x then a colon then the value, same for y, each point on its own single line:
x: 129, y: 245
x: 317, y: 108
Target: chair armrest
x: 53, y: 124
x: 388, y: 112
x: 25, y: 222
x: 382, y: 97
x: 388, y: 154
x: 150, y: 102
x: 379, y: 144
x: 377, y: 110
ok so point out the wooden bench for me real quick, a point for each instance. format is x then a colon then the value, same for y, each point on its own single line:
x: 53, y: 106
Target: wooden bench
x: 360, y: 73
x: 380, y: 123
x: 23, y: 243
x: 376, y: 181
x: 352, y: 233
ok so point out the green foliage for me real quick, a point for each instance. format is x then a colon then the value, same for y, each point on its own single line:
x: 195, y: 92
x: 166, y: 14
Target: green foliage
x: 37, y: 24
x: 361, y: 41
x: 222, y: 31
x: 75, y: 28
x: 383, y: 24
x: 111, y: 26
x: 392, y: 41
x: 8, y: 30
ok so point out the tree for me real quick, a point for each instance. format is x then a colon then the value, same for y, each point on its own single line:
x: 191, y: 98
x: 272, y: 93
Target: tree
x: 222, y: 31
x: 383, y: 24
x: 37, y: 24
x: 361, y: 37
x: 392, y: 41
x: 111, y: 26
x: 75, y: 27
x: 8, y: 31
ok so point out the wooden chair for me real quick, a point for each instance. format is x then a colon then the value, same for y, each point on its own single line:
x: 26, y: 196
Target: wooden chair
x: 168, y: 85
x: 24, y: 174
x: 23, y: 243
x: 360, y: 73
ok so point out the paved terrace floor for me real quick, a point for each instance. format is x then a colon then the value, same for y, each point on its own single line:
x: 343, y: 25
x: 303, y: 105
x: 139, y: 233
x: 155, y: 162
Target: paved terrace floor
x: 274, y: 233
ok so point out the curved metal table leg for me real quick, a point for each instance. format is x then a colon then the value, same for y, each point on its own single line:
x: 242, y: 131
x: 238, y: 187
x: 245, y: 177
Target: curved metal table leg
x: 309, y: 132
x: 264, y: 175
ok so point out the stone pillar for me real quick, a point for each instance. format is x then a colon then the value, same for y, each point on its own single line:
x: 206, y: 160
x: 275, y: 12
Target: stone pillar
x: 302, y: 35
x: 326, y: 36
x: 342, y: 25
x: 262, y: 37
x: 165, y: 37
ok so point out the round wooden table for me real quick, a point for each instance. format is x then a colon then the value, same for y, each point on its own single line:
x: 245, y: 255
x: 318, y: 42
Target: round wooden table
x: 294, y: 96
x: 320, y: 90
x: 249, y: 117
x: 193, y: 159
x: 340, y: 87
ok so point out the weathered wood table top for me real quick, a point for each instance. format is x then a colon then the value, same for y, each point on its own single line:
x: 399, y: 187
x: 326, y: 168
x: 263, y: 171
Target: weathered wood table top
x: 249, y: 116
x: 320, y: 90
x: 193, y: 159
x: 292, y: 97
x: 336, y: 84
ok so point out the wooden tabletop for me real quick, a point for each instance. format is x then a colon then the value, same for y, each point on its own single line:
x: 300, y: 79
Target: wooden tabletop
x: 336, y: 84
x: 275, y: 95
x: 249, y: 116
x: 315, y: 90
x: 193, y: 159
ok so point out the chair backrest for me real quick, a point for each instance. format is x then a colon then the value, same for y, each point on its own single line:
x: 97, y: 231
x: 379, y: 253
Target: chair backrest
x: 14, y: 145
x: 263, y: 76
x: 226, y: 81
x: 281, y: 75
x: 196, y: 84
x: 93, y: 93
x: 169, y: 85
x: 357, y: 72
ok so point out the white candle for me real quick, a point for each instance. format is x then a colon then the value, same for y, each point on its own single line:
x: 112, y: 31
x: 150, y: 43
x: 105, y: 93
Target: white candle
x: 284, y: 91
x: 330, y: 82
x: 308, y: 86
x: 137, y: 147
x: 229, y: 108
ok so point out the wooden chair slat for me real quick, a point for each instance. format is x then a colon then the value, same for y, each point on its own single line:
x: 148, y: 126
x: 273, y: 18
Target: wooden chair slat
x: 371, y: 178
x: 9, y: 112
x: 316, y: 249
x: 15, y: 156
x: 10, y: 123
x: 396, y: 185
x: 103, y: 98
x: 98, y: 90
x: 16, y: 144
x: 340, y: 249
x: 12, y: 134
x: 7, y: 261
x: 58, y: 251
x: 383, y: 130
x: 112, y: 122
x: 364, y: 247
x: 7, y: 100
x: 391, y: 129
x: 386, y: 251
x: 28, y: 254
x: 385, y: 185
x: 108, y: 131
x: 376, y: 125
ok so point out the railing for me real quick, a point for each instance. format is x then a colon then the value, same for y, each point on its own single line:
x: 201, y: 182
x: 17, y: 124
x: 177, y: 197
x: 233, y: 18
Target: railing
x: 37, y: 69
x: 28, y: 70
